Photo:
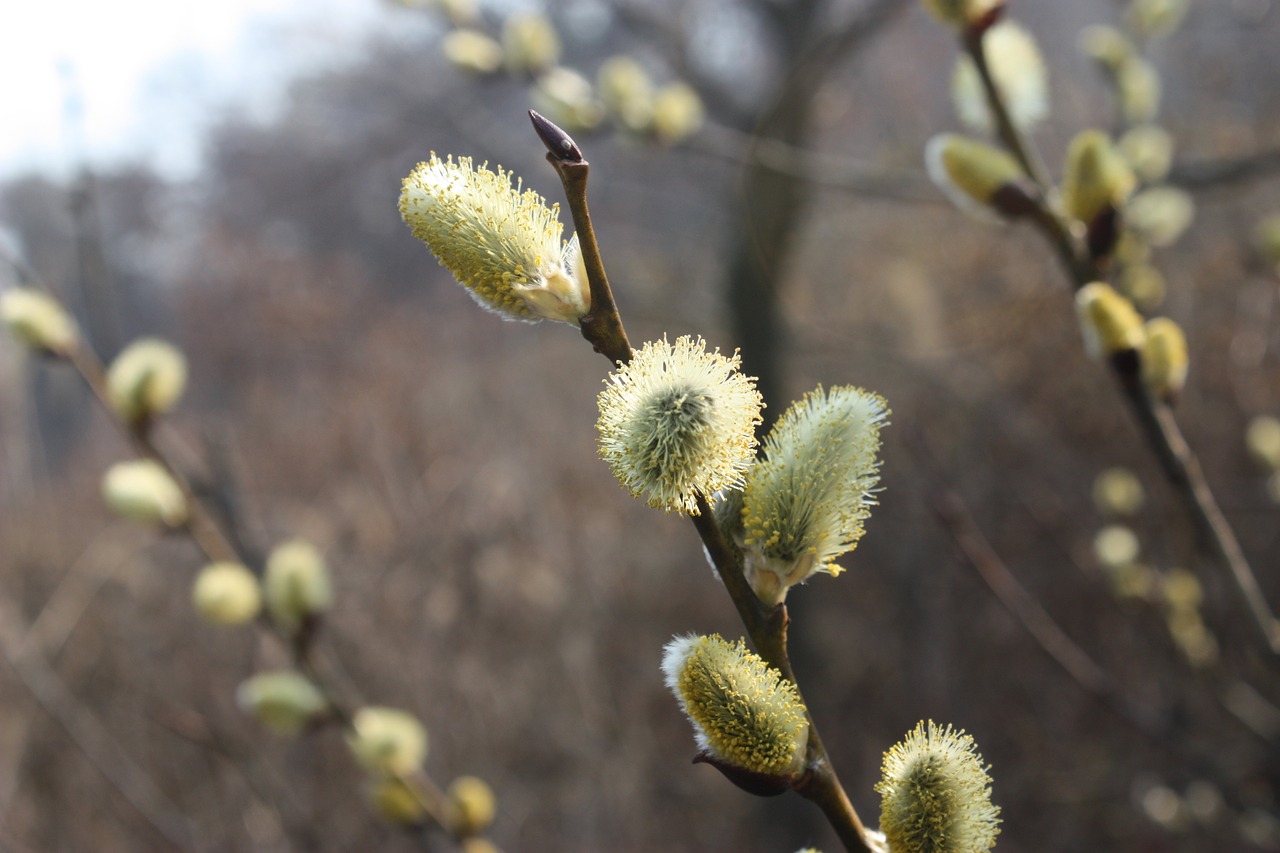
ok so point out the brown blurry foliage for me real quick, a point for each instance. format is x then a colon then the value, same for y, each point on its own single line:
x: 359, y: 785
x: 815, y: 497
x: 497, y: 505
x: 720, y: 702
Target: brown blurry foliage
x: 492, y: 578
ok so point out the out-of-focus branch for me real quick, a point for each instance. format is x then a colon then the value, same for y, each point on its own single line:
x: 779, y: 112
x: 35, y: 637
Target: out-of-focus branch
x: 821, y: 170
x: 1154, y: 416
x: 1021, y: 604
x: 90, y: 735
x: 1226, y: 172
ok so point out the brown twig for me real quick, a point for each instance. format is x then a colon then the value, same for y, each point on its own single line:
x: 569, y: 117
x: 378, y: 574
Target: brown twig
x: 767, y: 626
x: 1155, y: 417
x: 217, y: 546
x: 90, y: 735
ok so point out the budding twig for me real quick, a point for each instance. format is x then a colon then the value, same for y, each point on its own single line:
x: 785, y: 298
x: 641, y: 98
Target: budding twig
x: 767, y: 626
x: 601, y: 325
x: 1155, y: 418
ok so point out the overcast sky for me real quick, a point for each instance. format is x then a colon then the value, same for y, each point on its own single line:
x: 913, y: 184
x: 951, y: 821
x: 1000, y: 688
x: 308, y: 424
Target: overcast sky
x: 138, y: 79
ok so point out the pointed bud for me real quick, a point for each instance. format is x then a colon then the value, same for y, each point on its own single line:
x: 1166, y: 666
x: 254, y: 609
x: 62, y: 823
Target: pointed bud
x: 1097, y: 178
x: 1138, y: 87
x: 284, y: 702
x: 1164, y: 359
x: 677, y: 113
x: 227, y: 594
x: 936, y: 794
x: 473, y: 804
x: 146, y: 379
x: 501, y: 242
x: 460, y: 12
x: 973, y: 175
x: 1116, y: 546
x: 296, y: 584
x: 745, y: 715
x: 144, y: 491
x: 806, y: 500
x: 1160, y: 215
x: 1107, y: 46
x: 388, y: 741
x: 1143, y: 284
x: 677, y: 422
x: 1109, y: 322
x: 37, y: 321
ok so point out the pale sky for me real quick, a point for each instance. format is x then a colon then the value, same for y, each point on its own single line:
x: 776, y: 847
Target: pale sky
x: 138, y: 79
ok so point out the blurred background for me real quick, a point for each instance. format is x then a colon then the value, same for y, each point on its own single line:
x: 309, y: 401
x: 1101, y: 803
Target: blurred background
x: 491, y: 575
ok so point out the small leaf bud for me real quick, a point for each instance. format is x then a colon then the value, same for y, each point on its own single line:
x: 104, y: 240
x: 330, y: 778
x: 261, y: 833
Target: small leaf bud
x: 936, y: 794
x: 296, y: 584
x: 1097, y: 177
x: 808, y: 497
x: 677, y: 113
x: 567, y: 98
x: 227, y: 594
x: 530, y: 43
x: 282, y: 701
x: 1139, y: 90
x: 1155, y: 18
x: 473, y: 803
x: 677, y: 422
x: 146, y: 379
x: 397, y: 801
x: 1107, y: 46
x: 962, y: 14
x: 626, y: 91
x: 745, y: 715
x: 1019, y: 75
x: 37, y: 321
x: 1164, y: 359
x: 472, y: 51
x: 143, y: 490
x: 1262, y: 437
x: 500, y: 242
x: 1109, y: 322
x: 479, y: 845
x: 1144, y: 284
x: 387, y: 741
x: 972, y: 174
x: 1118, y: 491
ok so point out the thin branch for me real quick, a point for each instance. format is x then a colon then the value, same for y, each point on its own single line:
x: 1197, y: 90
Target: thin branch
x: 823, y: 170
x: 1155, y: 417
x: 767, y: 626
x: 90, y: 735
x: 1226, y: 172
x: 951, y: 511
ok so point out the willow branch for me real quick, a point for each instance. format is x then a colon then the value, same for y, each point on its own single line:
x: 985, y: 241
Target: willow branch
x: 1155, y: 418
x: 208, y: 536
x: 767, y: 626
x: 1026, y: 154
